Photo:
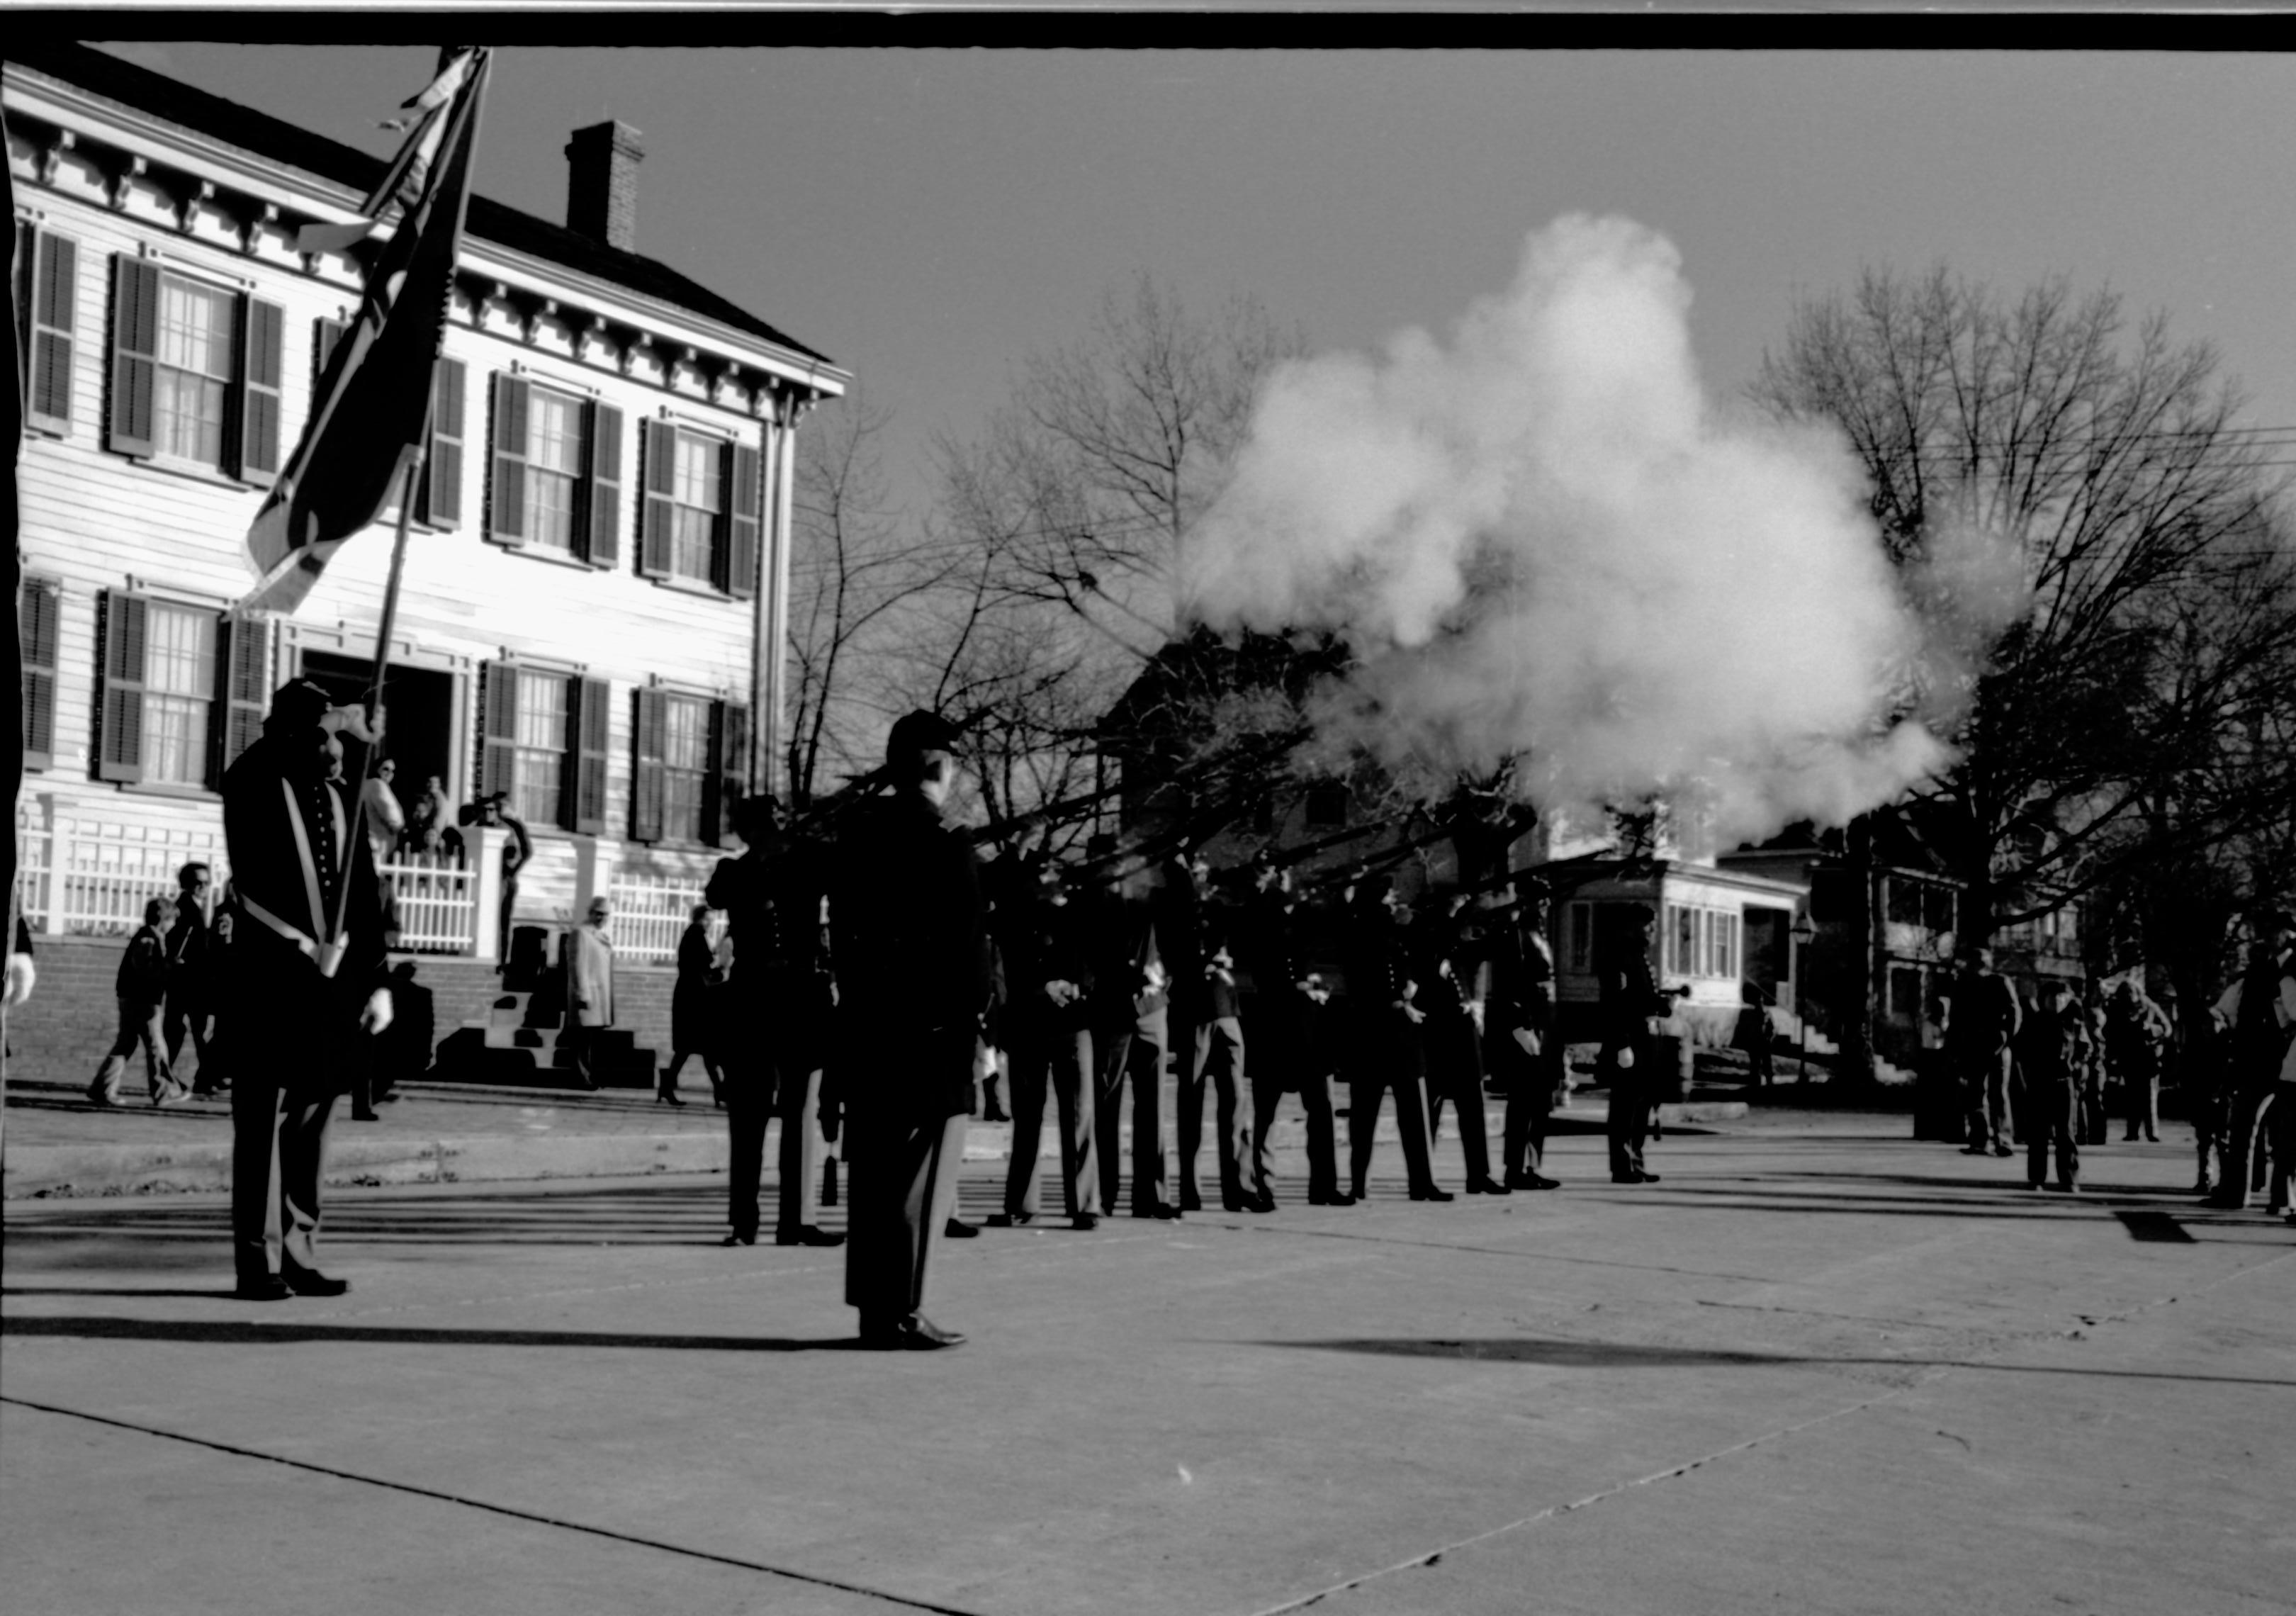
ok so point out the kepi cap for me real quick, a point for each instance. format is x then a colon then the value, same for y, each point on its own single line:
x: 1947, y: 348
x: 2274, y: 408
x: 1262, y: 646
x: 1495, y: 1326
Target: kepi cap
x: 921, y: 732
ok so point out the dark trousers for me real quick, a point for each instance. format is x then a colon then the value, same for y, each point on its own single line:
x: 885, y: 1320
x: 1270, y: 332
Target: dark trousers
x: 2249, y: 1127
x: 139, y: 1027
x: 1389, y: 1060
x: 1455, y: 1073
x: 1217, y: 1056
x: 752, y: 1101
x: 1630, y: 1112
x: 2140, y: 1103
x: 1132, y: 1051
x: 1529, y: 1108
x: 1985, y: 1095
x: 901, y: 1185
x: 2092, y: 1106
x: 1285, y: 1035
x: 2206, y: 1101
x: 1055, y: 1064
x: 188, y: 1016
x: 278, y: 1152
x: 678, y: 1057
x: 2053, y: 1121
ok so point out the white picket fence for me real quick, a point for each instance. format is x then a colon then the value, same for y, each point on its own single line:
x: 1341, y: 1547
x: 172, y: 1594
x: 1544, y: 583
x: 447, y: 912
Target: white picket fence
x: 651, y: 915
x: 92, y: 877
x: 437, y: 904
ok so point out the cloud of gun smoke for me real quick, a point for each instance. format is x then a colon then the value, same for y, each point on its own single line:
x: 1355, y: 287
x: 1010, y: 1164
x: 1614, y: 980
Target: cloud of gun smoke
x: 1539, y: 537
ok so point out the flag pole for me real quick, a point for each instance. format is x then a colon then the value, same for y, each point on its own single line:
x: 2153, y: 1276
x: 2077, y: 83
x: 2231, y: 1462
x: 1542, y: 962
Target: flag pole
x: 390, y: 604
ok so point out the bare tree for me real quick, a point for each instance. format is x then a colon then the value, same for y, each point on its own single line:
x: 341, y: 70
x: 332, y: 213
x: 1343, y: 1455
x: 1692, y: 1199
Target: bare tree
x: 2109, y: 463
x: 857, y: 572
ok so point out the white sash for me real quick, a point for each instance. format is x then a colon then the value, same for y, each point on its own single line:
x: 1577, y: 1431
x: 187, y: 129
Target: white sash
x: 327, y: 956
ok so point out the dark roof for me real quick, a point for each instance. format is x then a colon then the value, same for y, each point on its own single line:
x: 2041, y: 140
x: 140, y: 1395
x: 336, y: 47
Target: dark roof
x: 115, y: 80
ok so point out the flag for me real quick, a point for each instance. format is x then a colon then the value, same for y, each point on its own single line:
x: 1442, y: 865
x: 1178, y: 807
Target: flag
x: 372, y: 409
x: 410, y: 170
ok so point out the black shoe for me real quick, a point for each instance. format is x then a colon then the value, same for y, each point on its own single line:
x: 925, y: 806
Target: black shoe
x: 1261, y: 1202
x: 737, y: 1238
x: 269, y: 1288
x: 1641, y: 1177
x: 921, y: 1335
x: 1162, y: 1214
x: 1432, y: 1193
x: 2003, y: 1150
x: 365, y: 1116
x: 1193, y: 1203
x: 1974, y: 1150
x: 1010, y: 1220
x: 1335, y: 1198
x: 1486, y: 1186
x: 1537, y: 1183
x: 956, y: 1228
x: 807, y: 1234
x: 1084, y: 1223
x: 665, y: 1096
x: 996, y: 1113
x: 311, y: 1281
x: 2203, y: 1188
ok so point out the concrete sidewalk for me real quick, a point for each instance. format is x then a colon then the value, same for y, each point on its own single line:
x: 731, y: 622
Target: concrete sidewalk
x: 451, y: 1133
x: 1817, y: 1368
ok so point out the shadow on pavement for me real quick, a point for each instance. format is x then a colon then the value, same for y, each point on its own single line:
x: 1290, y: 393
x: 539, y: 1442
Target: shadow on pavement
x: 215, y: 1332
x: 1565, y: 1354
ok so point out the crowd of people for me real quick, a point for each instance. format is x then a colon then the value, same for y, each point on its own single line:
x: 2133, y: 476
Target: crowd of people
x: 2050, y: 1075
x: 863, y: 984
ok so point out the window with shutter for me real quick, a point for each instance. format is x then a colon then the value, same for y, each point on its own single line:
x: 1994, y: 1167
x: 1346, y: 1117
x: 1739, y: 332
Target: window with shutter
x: 602, y: 501
x: 730, y: 772
x: 38, y: 607
x: 262, y: 328
x: 497, y: 728
x: 647, y: 771
x: 134, y: 353
x: 658, y: 525
x: 506, y: 487
x: 245, y: 660
x: 741, y: 561
x: 119, y: 736
x: 52, y: 301
x: 588, y: 734
x: 438, y: 501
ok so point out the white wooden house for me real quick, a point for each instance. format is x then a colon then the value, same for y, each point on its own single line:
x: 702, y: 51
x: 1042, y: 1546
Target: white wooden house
x: 593, y: 609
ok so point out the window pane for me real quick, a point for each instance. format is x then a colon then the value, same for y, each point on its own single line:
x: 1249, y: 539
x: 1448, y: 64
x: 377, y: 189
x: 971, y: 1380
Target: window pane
x: 187, y: 416
x: 175, y: 741
x: 554, y: 435
x: 549, y: 508
x: 691, y: 540
x: 537, y: 785
x: 685, y: 734
x: 1685, y: 942
x: 681, y: 810
x: 697, y: 474
x: 179, y: 651
x: 541, y: 711
x: 194, y: 329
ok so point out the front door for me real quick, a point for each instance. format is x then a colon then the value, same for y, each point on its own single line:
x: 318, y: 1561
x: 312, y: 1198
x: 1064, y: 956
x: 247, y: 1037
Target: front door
x: 419, y: 732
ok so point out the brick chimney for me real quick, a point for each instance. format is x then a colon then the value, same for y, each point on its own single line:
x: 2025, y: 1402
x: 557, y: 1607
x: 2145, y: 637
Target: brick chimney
x: 602, y: 184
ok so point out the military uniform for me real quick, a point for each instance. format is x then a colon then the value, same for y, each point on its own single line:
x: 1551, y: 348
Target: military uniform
x: 1982, y: 1032
x: 1207, y: 1041
x: 1284, y: 1027
x: 1130, y: 1030
x: 908, y: 933
x: 2136, y: 1032
x: 306, y: 957
x: 1629, y: 1000
x: 1384, y: 1050
x: 1523, y: 1002
x: 773, y: 1039
x: 1452, y: 967
x: 1049, y: 1024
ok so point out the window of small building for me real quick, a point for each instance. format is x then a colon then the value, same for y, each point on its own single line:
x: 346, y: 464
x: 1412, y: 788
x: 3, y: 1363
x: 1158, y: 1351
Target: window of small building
x: 179, y: 681
x: 694, y: 533
x: 191, y: 382
x: 686, y: 767
x: 553, y: 469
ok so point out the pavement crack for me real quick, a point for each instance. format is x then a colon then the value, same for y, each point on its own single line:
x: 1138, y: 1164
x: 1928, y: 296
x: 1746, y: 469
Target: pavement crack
x: 512, y: 1511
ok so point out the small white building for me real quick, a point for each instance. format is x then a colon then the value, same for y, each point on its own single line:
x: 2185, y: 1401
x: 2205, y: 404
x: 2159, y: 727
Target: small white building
x: 594, y: 610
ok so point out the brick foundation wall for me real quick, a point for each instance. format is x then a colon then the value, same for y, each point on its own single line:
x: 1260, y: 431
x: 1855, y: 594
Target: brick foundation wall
x: 63, y: 1031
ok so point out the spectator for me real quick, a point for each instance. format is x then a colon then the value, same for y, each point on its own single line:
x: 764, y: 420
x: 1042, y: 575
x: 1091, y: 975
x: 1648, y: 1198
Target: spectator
x: 590, y: 990
x: 693, y: 1007
x: 192, y: 977
x: 142, y: 986
x: 379, y: 812
x: 406, y: 1045
x: 428, y: 814
x: 517, y: 849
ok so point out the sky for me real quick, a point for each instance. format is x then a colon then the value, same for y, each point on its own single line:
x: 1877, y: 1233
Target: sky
x: 927, y: 217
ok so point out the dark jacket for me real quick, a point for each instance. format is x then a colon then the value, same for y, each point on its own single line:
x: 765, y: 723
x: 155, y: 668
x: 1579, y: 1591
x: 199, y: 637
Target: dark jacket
x: 267, y: 870
x: 143, y: 977
x: 2053, y: 1045
x: 908, y: 923
x: 1125, y: 942
x: 1984, y: 1015
x: 1049, y: 942
x: 689, y: 1000
x: 190, y: 956
x: 1629, y: 1000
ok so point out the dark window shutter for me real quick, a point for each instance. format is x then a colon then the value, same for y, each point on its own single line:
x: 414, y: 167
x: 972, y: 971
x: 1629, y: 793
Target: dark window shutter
x: 729, y: 780
x: 262, y: 330
x: 646, y: 779
x: 506, y: 495
x: 439, y: 499
x: 52, y: 300
x: 135, y: 352
x: 498, y: 729
x: 602, y: 488
x: 36, y: 609
x: 661, y: 475
x: 120, y: 741
x: 241, y: 664
x: 742, y: 564
x: 585, y: 749
x: 324, y: 335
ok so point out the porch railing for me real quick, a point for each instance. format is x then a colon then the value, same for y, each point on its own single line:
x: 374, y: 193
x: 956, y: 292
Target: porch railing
x: 651, y: 915
x: 92, y: 877
x: 436, y: 901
